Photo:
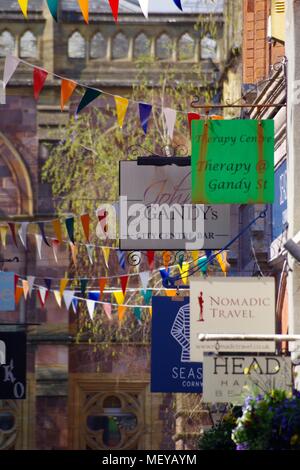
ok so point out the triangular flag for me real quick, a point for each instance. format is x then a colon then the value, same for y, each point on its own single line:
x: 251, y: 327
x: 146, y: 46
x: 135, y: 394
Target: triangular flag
x: 222, y: 260
x: 181, y: 259
x: 119, y: 296
x: 144, y: 4
x: 66, y: 91
x: 195, y: 255
x: 53, y: 7
x: 144, y: 277
x: 84, y: 7
x: 193, y: 117
x: 121, y: 107
x: 55, y: 244
x: 13, y: 232
x: 85, y: 221
x: 42, y: 295
x: 107, y: 310
x: 25, y: 288
x: 145, y: 111
x: 3, y: 234
x: 93, y: 295
x: 91, y: 307
x: 123, y: 282
x: 90, y: 250
x: 114, y: 5
x: 137, y: 311
x: 39, y: 78
x: 58, y: 297
x: 11, y: 63
x: 68, y: 296
x: 89, y: 96
x: 23, y: 233
x: 147, y: 295
x: 184, y: 271
x: 42, y: 230
x: 83, y: 286
x: 18, y: 294
x: 164, y: 273
x: 150, y: 257
x: 16, y: 278
x: 75, y: 305
x: 178, y: 4
x: 74, y: 252
x: 202, y: 263
x: 39, y: 239
x: 48, y: 283
x: 62, y: 285
x: 30, y: 280
x: 150, y: 311
x: 166, y: 258
x: 70, y: 228
x: 121, y: 312
x: 171, y: 292
x: 57, y: 229
x: 170, y: 116
x: 106, y: 251
x: 23, y: 5
x: 121, y: 259
x: 102, y: 284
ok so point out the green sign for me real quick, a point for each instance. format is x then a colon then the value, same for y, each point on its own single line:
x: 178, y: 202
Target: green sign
x: 233, y: 162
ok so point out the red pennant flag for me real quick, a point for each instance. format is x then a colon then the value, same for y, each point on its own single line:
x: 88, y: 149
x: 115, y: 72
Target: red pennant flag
x: 114, y: 5
x: 102, y: 284
x: 13, y: 232
x: 193, y: 117
x: 85, y: 220
x: 150, y: 256
x: 123, y: 281
x: 39, y: 78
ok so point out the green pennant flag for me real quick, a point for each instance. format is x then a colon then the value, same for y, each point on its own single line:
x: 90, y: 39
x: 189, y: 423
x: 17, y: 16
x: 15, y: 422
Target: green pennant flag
x: 53, y: 6
x: 90, y: 95
x: 233, y: 162
x: 70, y: 228
x: 137, y: 313
x: 147, y: 295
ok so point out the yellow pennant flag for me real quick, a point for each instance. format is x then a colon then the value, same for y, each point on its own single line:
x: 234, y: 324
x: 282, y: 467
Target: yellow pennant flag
x: 62, y: 285
x: 23, y: 5
x: 3, y: 233
x: 74, y: 251
x: 84, y: 7
x: 150, y: 311
x: 121, y: 312
x: 57, y: 229
x: 106, y: 252
x: 58, y: 297
x: 25, y: 288
x: 184, y: 271
x: 222, y: 260
x: 121, y: 106
x: 170, y: 292
x: 119, y: 296
x: 195, y: 255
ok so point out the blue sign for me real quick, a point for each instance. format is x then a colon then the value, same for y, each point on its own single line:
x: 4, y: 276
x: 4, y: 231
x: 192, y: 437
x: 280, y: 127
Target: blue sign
x: 171, y: 370
x: 279, y: 208
x: 7, y: 292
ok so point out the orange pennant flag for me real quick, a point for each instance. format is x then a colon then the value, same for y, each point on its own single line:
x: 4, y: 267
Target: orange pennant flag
x: 170, y: 292
x: 85, y: 220
x: 57, y: 229
x: 121, y: 312
x: 84, y: 7
x: 222, y: 260
x: 62, y: 285
x: 102, y: 284
x: 150, y: 311
x: 166, y: 258
x: 74, y: 251
x: 67, y: 88
x: 18, y: 294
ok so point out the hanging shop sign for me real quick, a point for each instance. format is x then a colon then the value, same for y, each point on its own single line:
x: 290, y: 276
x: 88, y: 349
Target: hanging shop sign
x: 232, y: 162
x: 7, y: 292
x: 225, y: 377
x: 279, y: 210
x: 12, y: 366
x: 174, y: 221
x: 232, y: 305
x: 171, y: 369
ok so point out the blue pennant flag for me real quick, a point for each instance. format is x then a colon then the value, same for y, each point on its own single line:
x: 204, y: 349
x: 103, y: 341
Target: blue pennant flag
x: 121, y: 258
x: 178, y: 4
x: 42, y: 230
x: 48, y: 283
x: 164, y: 273
x: 94, y: 295
x: 145, y: 111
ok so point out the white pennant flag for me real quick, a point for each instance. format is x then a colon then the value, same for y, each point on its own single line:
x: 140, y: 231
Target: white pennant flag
x: 11, y: 63
x: 30, y: 280
x: 145, y: 276
x: 39, y: 239
x: 170, y: 116
x: 23, y: 233
x: 144, y: 4
x: 43, y: 293
x: 25, y: 288
x: 57, y: 297
x: 55, y: 249
x: 107, y: 310
x: 68, y: 297
x: 91, y: 307
x: 90, y: 249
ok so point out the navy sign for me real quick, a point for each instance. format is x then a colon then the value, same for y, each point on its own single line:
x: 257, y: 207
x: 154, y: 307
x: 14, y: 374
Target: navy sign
x: 12, y: 365
x: 279, y: 208
x: 171, y: 369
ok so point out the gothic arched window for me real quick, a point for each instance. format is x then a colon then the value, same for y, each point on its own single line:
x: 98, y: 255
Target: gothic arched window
x: 28, y: 45
x: 7, y: 43
x: 120, y: 46
x: 164, y: 47
x: 186, y: 47
x: 76, y: 46
x: 208, y: 47
x: 98, y: 48
x: 141, y: 45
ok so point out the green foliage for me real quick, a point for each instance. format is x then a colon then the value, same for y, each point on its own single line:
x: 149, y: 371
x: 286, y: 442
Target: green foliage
x: 219, y: 436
